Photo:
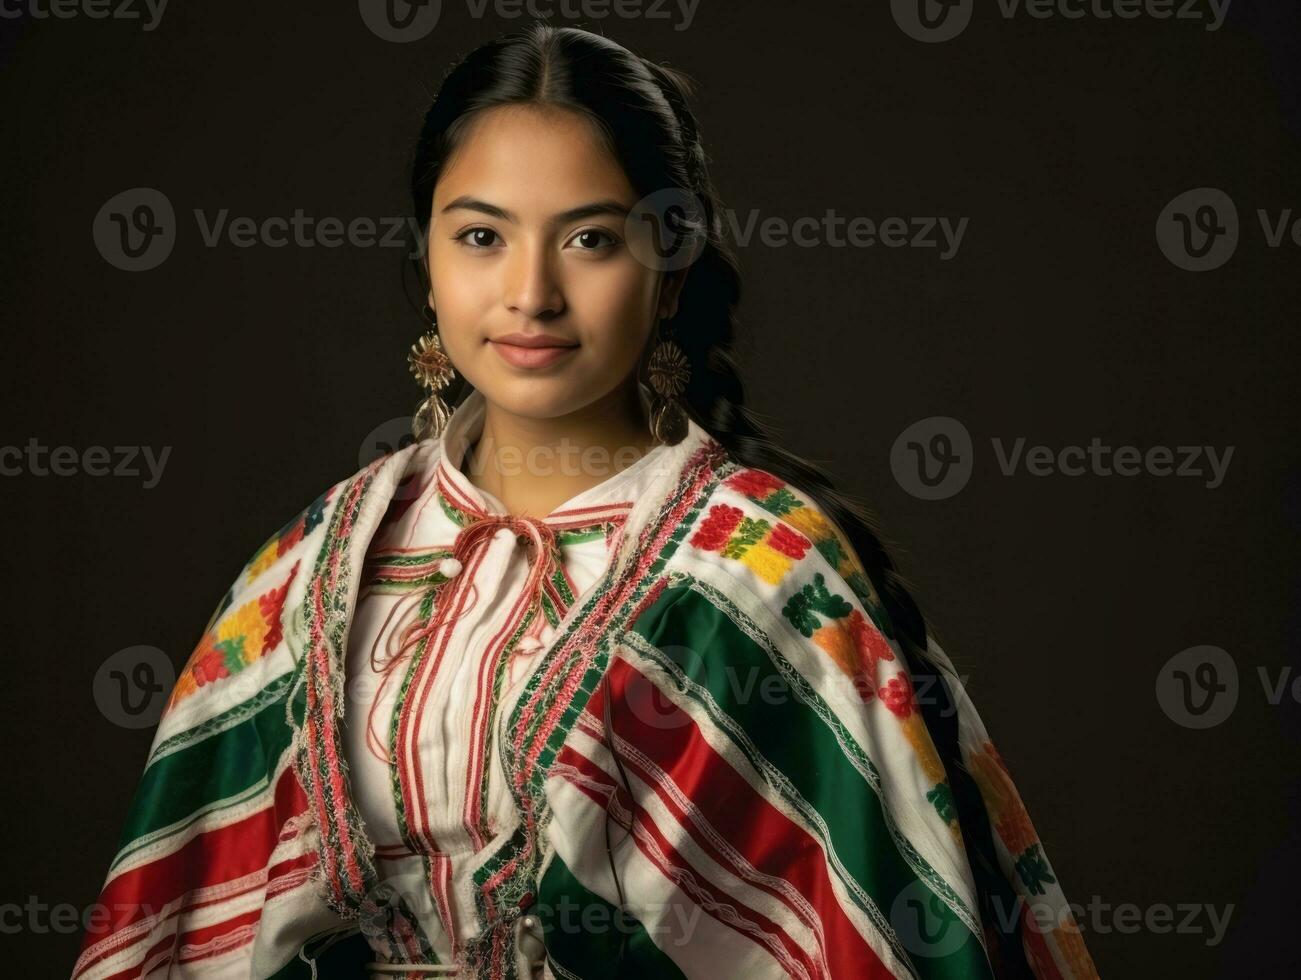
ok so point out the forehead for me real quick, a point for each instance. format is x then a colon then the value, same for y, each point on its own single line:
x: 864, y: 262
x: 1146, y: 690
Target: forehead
x: 532, y: 160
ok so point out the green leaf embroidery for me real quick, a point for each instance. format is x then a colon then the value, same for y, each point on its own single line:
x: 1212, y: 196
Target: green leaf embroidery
x: 1032, y: 866
x: 748, y: 533
x: 814, y: 598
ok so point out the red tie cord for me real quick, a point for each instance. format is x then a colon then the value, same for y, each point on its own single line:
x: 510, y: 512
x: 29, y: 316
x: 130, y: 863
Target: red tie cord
x: 543, y: 558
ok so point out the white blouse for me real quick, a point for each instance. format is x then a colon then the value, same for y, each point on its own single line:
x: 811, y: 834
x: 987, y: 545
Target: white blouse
x: 427, y: 702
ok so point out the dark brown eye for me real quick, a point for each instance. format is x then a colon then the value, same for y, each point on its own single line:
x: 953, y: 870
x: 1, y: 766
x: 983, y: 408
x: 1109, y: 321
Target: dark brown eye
x: 592, y: 239
x: 477, y: 237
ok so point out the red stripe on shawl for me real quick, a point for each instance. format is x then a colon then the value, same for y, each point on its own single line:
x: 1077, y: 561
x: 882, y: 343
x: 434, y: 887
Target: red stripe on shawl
x: 767, y: 838
x: 1036, y: 945
x: 214, y: 856
x: 771, y: 930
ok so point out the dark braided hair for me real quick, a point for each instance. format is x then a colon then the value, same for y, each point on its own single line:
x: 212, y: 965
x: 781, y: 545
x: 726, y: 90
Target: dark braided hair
x: 642, y: 111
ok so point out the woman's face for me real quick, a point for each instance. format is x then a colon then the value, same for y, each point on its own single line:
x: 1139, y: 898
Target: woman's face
x: 527, y: 240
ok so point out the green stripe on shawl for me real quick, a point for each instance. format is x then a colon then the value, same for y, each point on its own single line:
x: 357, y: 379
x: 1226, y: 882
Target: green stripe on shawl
x: 583, y: 932
x: 813, y: 770
x: 220, y: 763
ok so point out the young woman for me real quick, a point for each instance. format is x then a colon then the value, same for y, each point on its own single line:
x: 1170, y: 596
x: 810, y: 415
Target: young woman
x: 592, y: 679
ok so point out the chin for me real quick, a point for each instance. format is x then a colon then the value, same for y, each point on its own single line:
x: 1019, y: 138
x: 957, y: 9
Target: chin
x: 538, y: 398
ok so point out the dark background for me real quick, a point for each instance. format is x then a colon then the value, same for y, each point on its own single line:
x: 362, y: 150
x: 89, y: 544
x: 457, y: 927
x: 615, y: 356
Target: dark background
x: 1058, y: 320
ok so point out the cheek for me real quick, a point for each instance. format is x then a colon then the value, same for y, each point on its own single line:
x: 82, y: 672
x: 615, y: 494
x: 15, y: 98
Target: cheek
x: 461, y: 298
x: 622, y: 302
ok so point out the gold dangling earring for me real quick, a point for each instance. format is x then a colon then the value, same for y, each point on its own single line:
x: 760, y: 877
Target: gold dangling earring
x: 431, y: 366
x: 669, y: 372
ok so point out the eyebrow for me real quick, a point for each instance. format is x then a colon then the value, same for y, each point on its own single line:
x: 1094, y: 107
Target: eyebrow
x: 609, y: 206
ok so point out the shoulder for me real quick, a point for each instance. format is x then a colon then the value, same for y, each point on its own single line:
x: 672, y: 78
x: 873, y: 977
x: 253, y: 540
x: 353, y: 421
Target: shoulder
x: 249, y: 639
x: 380, y: 483
x: 775, y: 537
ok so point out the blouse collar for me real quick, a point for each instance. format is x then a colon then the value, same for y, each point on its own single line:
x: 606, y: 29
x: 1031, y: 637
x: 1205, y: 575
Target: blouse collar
x: 611, y: 499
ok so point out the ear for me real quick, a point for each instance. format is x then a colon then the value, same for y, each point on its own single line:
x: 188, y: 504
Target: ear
x: 670, y: 290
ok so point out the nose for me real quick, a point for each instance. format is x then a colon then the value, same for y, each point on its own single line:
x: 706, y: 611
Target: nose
x: 532, y: 286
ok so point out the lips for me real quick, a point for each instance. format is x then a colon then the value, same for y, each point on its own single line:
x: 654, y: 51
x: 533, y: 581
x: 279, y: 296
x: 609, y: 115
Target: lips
x: 534, y: 340
x: 532, y: 350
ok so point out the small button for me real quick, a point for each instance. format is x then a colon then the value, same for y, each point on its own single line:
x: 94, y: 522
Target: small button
x: 531, y: 943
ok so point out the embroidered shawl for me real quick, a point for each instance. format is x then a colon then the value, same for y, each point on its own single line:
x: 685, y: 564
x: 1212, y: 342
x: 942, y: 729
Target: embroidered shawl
x: 721, y: 765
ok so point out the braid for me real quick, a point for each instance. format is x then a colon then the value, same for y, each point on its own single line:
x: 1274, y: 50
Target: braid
x: 704, y: 328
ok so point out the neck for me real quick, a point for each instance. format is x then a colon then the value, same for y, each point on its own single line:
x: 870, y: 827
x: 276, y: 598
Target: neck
x: 533, y: 465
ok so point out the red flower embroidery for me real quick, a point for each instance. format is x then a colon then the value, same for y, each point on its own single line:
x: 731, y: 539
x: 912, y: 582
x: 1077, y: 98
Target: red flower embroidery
x: 872, y: 646
x: 865, y: 687
x: 210, y: 666
x: 788, y: 541
x: 754, y: 483
x: 292, y: 538
x: 897, y: 695
x: 716, y: 528
x: 271, y: 605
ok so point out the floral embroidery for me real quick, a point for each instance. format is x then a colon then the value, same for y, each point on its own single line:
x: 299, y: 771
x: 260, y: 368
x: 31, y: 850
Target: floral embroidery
x: 288, y: 536
x: 777, y: 497
x: 769, y: 549
x: 897, y: 695
x: 1032, y: 866
x: 814, y: 598
x: 1009, y: 817
x: 235, y: 641
x: 854, y: 643
x: 941, y: 797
